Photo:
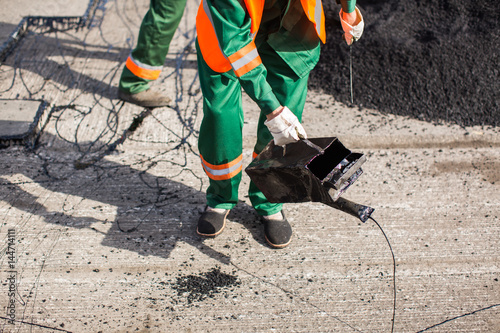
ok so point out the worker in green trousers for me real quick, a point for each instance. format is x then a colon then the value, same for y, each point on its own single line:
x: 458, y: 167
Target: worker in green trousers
x: 268, y: 48
x: 146, y: 60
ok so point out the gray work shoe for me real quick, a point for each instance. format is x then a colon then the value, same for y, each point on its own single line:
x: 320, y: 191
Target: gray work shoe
x: 147, y: 98
x: 212, y: 222
x: 278, y: 232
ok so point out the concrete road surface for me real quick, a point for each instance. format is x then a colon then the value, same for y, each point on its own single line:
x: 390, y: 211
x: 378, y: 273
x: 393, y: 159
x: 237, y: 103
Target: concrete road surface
x: 97, y: 222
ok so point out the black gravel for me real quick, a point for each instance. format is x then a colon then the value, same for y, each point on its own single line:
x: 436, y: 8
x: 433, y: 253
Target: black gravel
x: 198, y: 287
x: 433, y: 60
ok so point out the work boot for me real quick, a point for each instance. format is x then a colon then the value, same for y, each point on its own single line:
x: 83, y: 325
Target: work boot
x: 277, y: 230
x: 148, y: 98
x: 212, y: 222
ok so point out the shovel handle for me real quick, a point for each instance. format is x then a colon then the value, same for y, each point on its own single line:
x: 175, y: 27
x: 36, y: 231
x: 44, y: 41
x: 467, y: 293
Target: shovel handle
x: 360, y: 211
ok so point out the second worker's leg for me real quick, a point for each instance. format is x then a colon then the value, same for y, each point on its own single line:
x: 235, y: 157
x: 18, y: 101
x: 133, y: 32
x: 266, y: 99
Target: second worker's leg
x: 145, y: 62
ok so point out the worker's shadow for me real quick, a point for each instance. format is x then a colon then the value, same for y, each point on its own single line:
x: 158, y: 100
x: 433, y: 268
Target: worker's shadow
x: 63, y: 62
x: 141, y: 212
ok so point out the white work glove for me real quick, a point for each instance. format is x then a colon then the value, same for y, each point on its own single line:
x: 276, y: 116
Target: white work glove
x: 352, y: 24
x: 285, y: 128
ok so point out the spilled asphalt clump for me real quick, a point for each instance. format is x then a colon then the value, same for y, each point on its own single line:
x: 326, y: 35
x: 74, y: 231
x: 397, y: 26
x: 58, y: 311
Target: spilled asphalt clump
x: 195, y: 288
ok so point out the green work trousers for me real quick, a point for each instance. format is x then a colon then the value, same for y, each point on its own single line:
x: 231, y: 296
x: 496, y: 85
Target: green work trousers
x: 220, y: 139
x: 157, y: 30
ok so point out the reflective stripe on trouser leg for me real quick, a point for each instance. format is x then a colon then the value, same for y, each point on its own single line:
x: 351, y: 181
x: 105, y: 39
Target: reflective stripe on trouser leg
x: 157, y: 30
x: 220, y: 139
x: 290, y: 91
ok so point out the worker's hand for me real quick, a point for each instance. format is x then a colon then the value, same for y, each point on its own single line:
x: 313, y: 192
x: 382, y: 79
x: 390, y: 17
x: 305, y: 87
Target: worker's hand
x: 284, y: 126
x: 352, y: 24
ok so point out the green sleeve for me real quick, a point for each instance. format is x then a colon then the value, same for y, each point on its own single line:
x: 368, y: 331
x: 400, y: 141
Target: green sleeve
x: 347, y: 5
x: 232, y: 26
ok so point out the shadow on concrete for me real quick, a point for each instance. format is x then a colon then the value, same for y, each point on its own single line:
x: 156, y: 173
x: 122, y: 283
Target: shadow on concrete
x: 152, y: 213
x: 5, y: 30
x: 63, y: 62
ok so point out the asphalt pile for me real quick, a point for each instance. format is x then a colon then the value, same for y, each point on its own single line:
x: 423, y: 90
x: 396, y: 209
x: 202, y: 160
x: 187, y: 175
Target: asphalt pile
x: 195, y: 288
x: 432, y: 60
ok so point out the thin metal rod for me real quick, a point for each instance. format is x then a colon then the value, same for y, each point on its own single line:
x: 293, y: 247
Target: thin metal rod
x: 350, y: 73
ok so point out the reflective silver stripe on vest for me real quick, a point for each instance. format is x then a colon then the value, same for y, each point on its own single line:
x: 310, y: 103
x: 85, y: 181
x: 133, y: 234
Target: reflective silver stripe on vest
x: 317, y: 17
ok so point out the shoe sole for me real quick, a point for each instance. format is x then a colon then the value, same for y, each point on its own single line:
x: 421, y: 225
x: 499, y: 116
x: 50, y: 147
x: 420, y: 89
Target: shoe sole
x: 127, y: 99
x: 146, y: 105
x: 276, y: 246
x: 217, y: 233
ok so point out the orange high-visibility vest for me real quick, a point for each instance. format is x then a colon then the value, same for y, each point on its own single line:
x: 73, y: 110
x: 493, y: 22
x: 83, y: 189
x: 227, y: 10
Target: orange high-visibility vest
x: 247, y: 57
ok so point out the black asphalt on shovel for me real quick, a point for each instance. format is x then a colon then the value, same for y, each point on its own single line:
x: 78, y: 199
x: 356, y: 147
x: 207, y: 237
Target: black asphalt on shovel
x: 318, y: 170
